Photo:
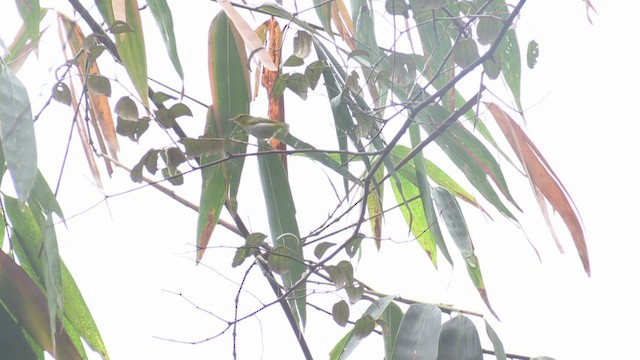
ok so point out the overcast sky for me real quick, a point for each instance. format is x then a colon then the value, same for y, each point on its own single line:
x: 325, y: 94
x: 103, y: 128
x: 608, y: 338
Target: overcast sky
x: 580, y: 112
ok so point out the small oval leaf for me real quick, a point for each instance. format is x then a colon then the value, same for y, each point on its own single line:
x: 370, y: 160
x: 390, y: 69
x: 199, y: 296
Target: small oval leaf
x: 126, y: 109
x: 340, y: 313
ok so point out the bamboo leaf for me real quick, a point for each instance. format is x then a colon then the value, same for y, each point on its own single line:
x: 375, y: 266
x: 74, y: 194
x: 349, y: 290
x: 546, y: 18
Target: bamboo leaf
x: 390, y: 322
x: 30, y: 12
x: 323, y: 10
x: 457, y: 226
x: 248, y: 35
x: 17, y: 133
x: 374, y: 207
x: 544, y: 179
x: 29, y: 235
x: 459, y: 340
x: 321, y: 157
x: 498, y: 348
x: 162, y: 14
x: 14, y: 343
x: 281, y: 213
x: 52, y: 274
x: 21, y: 296
x: 418, y: 333
x: 230, y: 91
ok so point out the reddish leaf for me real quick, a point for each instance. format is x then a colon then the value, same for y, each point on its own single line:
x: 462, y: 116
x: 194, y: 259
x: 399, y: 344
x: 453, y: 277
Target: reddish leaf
x: 543, y: 179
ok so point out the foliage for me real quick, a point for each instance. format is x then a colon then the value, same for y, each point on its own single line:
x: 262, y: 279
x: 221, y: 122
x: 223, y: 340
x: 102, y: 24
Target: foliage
x: 389, y: 100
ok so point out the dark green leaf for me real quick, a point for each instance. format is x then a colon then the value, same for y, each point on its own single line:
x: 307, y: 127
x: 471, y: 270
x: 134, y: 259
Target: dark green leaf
x: 299, y: 84
x: 180, y: 109
x: 204, y: 146
x: 341, y: 275
x: 323, y: 9
x: 340, y: 313
x: 459, y: 340
x: 293, y: 61
x: 165, y: 118
x: 280, y: 259
x: 321, y: 248
x: 52, y: 274
x: 488, y: 29
x: 313, y: 72
x: 390, y: 322
x: 492, y: 67
x: 42, y: 198
x: 509, y: 53
x: 354, y: 292
x: 418, y: 333
x: 61, y: 93
x: 281, y: 213
x: 353, y: 246
x: 99, y: 85
x: 17, y: 133
x: 363, y: 327
x: 174, y: 176
x: 465, y: 52
x: 532, y: 54
x: 173, y: 157
x: 162, y: 14
x: 126, y: 109
x: 252, y: 243
x: 397, y: 7
x: 13, y: 341
x: 120, y: 27
x: 498, y: 348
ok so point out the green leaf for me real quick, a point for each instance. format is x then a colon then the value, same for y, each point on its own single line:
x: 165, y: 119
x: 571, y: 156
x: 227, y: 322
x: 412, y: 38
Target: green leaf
x: 465, y: 52
x: 321, y: 248
x: 293, y: 61
x: 180, y: 109
x: 498, y: 348
x: 390, y: 322
x: 302, y: 44
x: 126, y: 109
x: 313, y: 72
x: 17, y: 133
x: 488, y: 29
x: 323, y: 9
x: 299, y: 84
x: 397, y: 7
x: 341, y: 275
x: 61, y: 93
x: 42, y: 198
x: 230, y: 90
x: 281, y: 213
x: 509, y: 54
x: 204, y: 146
x: 469, y: 155
x: 52, y: 274
x: 30, y: 12
x: 164, y: 20
x: 340, y: 313
x: 28, y: 246
x: 99, y: 85
x: 375, y: 208
x: 459, y: 340
x: 319, y: 156
x: 252, y: 243
x: 131, y: 47
x: 350, y: 341
x: 532, y: 54
x: 419, y: 333
x: 21, y: 296
x: 457, y: 226
x: 363, y: 327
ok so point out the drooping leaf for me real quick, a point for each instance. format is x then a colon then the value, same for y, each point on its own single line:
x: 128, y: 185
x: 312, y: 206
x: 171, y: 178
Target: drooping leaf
x: 52, y: 274
x: 375, y: 208
x: 195, y: 148
x: 13, y: 341
x: 99, y: 85
x: 390, y: 323
x: 28, y: 234
x: 532, y: 54
x: 61, y: 93
x: 321, y: 248
x: 21, y: 47
x: 252, y: 242
x: 498, y: 348
x: 418, y: 333
x: 459, y: 340
x: 30, y: 12
x: 509, y: 53
x: 281, y: 213
x: 230, y: 92
x: 465, y: 52
x: 544, y: 179
x: 323, y: 9
x: 162, y: 14
x: 457, y: 226
x: 17, y: 133
x: 21, y: 296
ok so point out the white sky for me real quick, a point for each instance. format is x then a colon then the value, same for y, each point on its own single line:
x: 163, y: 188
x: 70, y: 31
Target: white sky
x: 580, y: 114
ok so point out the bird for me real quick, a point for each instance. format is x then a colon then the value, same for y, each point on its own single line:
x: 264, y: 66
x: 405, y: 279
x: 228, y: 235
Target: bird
x: 261, y: 128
